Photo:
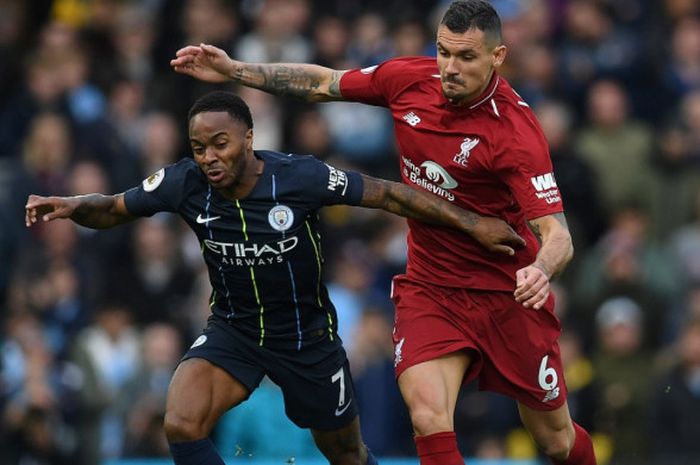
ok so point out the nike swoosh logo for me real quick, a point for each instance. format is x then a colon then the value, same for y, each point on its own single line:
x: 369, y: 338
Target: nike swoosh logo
x: 201, y: 220
x: 340, y: 411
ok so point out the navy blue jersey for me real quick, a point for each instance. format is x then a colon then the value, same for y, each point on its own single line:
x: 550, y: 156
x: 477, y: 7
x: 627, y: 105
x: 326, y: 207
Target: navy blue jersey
x: 263, y: 252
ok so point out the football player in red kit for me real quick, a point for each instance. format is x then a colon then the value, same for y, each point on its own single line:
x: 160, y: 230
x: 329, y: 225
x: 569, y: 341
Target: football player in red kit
x: 462, y: 312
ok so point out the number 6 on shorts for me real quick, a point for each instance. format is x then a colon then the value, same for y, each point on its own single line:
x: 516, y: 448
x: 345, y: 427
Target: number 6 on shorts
x: 546, y: 372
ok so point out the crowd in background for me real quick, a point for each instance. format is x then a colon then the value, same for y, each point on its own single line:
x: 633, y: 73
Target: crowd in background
x: 93, y: 323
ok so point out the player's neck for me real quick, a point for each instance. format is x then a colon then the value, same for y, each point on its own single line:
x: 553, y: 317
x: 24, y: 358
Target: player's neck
x: 469, y: 100
x: 247, y: 181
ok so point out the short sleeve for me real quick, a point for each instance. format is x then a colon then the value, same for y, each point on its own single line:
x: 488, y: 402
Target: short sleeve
x: 326, y: 185
x: 525, y: 166
x: 374, y: 85
x: 160, y: 192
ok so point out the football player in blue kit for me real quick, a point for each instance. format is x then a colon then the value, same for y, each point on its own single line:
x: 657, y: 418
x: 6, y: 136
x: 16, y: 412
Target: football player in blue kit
x: 255, y: 215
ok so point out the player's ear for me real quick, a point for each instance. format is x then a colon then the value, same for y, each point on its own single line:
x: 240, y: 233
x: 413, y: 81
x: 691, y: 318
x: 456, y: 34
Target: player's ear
x: 499, y: 55
x: 249, y: 139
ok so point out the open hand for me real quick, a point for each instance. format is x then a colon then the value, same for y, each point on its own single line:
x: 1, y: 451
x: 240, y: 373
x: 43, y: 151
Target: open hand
x: 496, y: 235
x: 203, y: 62
x: 47, y: 208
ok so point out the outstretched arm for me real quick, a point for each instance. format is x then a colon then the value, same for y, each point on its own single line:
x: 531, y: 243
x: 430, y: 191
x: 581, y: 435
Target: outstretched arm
x: 308, y: 82
x: 532, y: 282
x: 95, y: 211
x: 492, y: 233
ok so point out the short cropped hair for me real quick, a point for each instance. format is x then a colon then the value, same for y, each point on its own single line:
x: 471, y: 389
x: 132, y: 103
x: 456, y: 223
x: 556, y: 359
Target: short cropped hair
x: 463, y: 15
x: 223, y: 101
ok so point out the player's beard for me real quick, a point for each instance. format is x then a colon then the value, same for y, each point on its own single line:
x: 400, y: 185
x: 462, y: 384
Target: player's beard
x: 454, y: 90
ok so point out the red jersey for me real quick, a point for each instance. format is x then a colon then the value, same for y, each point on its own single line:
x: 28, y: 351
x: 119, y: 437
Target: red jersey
x: 488, y: 156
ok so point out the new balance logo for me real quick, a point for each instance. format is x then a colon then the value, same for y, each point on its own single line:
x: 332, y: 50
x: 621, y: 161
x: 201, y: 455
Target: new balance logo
x: 551, y: 395
x: 544, y: 182
x: 411, y: 118
x: 202, y: 220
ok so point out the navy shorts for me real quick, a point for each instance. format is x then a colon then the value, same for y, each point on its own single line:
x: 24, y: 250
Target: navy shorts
x: 315, y: 381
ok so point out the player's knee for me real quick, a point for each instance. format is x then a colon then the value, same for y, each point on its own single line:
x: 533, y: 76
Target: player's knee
x: 428, y: 410
x: 179, y: 428
x: 427, y: 420
x: 556, y: 444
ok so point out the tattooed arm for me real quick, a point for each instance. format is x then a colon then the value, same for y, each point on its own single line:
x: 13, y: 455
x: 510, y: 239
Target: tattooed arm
x: 492, y: 233
x: 532, y: 282
x: 95, y: 211
x: 304, y: 81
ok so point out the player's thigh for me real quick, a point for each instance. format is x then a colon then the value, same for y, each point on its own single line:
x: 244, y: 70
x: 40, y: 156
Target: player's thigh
x: 317, y: 385
x: 199, y: 393
x: 345, y: 441
x: 218, y: 372
x: 431, y: 388
x: 521, y: 359
x: 549, y: 428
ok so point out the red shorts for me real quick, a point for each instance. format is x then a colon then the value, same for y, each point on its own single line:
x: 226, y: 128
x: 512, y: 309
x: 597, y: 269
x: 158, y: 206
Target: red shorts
x: 514, y: 349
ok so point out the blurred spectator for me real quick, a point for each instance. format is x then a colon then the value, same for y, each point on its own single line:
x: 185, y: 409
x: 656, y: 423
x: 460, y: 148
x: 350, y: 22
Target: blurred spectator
x: 210, y: 21
x: 160, y: 143
x: 154, y: 283
x: 348, y: 289
x: 580, y: 380
x: 383, y: 417
x: 12, y: 23
x: 277, y: 36
x: 268, y: 119
x: 690, y: 119
x: 331, y: 38
x: 113, y: 140
x: 86, y: 176
x: 48, y: 152
x: 676, y: 403
x: 39, y: 392
x: 617, y: 147
x: 575, y: 178
x: 681, y: 72
x: 369, y: 44
x: 362, y: 134
x: 42, y: 92
x: 146, y: 391
x: 133, y: 41
x: 625, y: 263
x: 679, y: 9
x: 684, y: 246
x: 675, y: 182
x: 410, y: 39
x: 108, y: 355
x: 535, y: 79
x: 596, y: 47
x: 480, y: 415
x: 623, y: 369
x: 310, y: 134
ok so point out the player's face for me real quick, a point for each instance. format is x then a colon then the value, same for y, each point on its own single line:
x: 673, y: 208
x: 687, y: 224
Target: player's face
x: 466, y: 62
x: 222, y: 147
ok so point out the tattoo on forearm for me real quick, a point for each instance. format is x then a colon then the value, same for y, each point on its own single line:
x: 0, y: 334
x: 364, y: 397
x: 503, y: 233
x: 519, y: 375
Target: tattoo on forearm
x: 292, y: 82
x: 300, y: 81
x: 535, y: 227
x: 334, y: 87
